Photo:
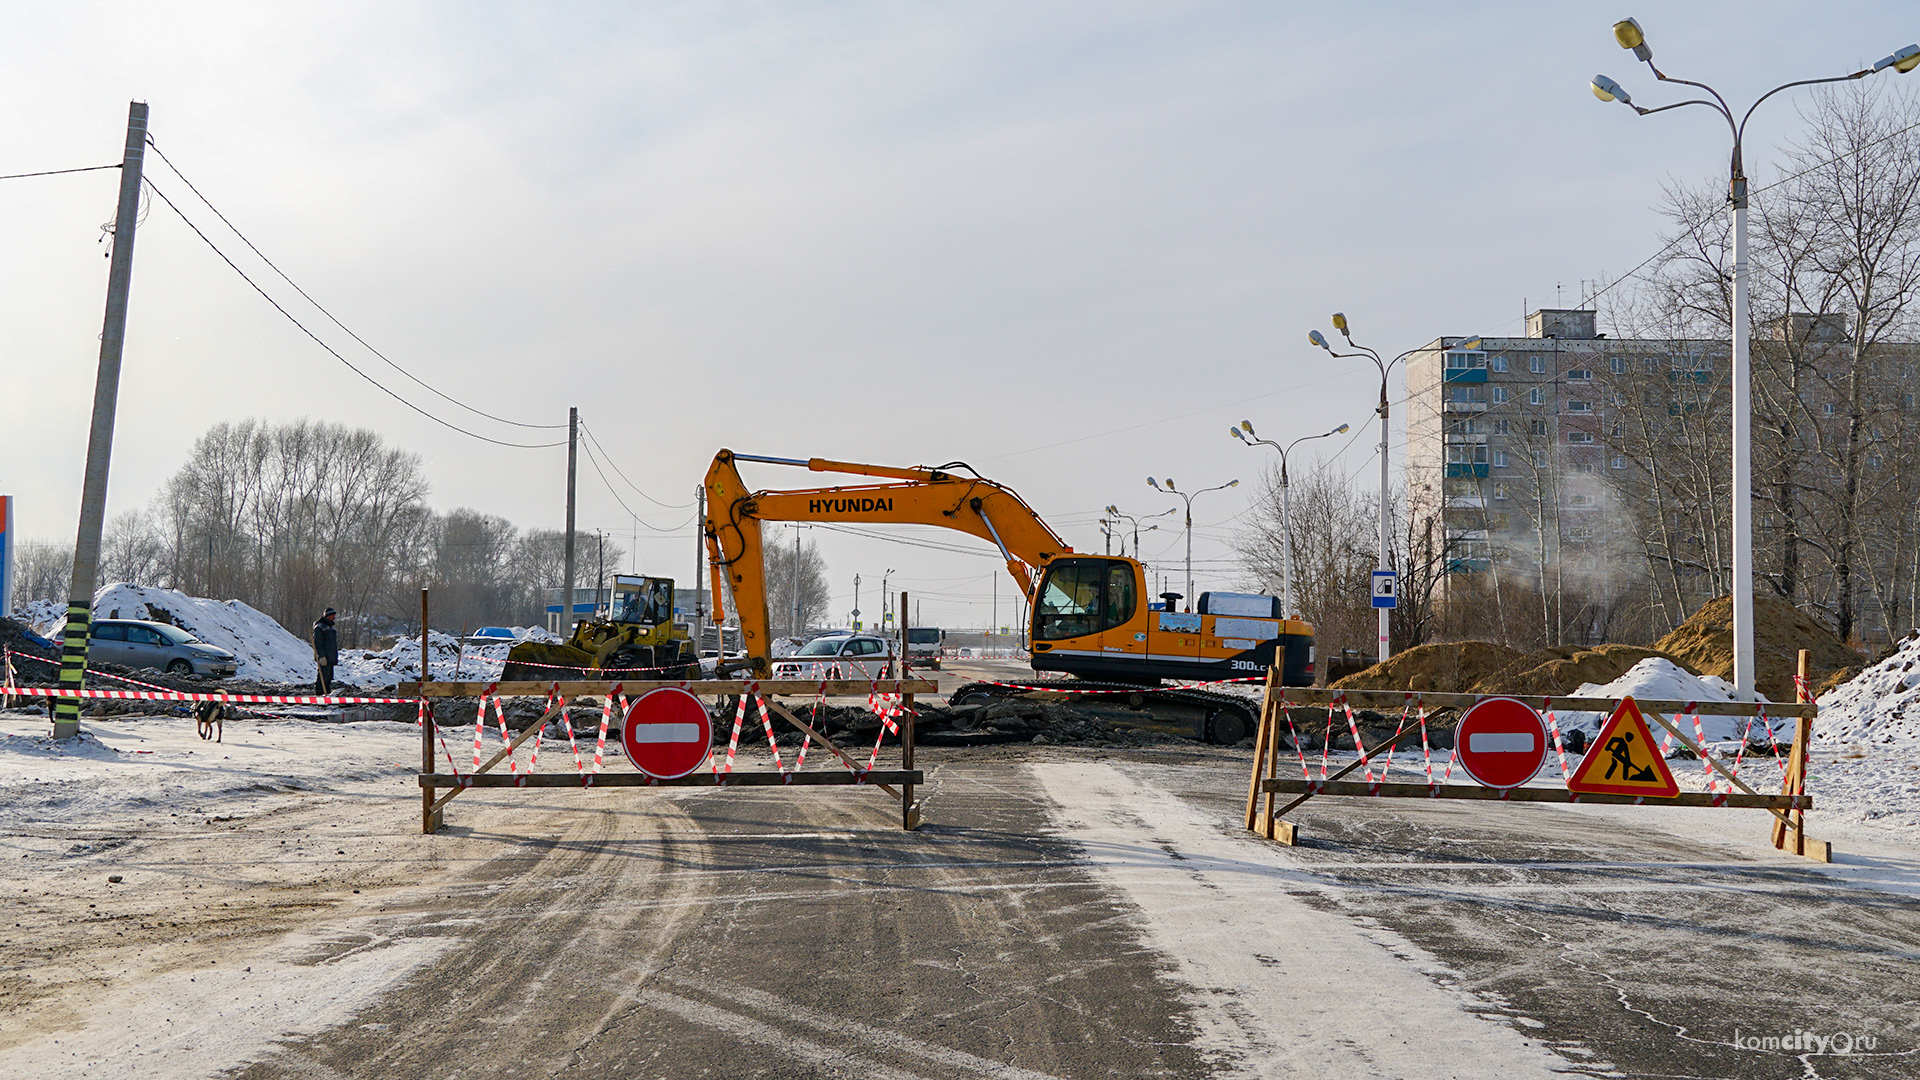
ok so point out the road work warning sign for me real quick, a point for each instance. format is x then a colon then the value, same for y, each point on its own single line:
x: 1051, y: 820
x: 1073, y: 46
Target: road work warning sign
x: 1624, y: 760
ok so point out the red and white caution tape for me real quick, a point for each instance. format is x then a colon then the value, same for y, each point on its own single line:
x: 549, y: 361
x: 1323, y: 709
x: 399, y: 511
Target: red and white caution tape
x: 175, y: 695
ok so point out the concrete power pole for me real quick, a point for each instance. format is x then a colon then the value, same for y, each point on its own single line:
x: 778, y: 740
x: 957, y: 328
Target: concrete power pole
x: 699, y: 565
x: 106, y: 397
x: 573, y: 458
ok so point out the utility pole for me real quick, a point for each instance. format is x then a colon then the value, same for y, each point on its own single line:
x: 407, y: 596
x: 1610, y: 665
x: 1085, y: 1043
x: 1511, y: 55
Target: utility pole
x: 699, y: 564
x: 573, y: 451
x: 106, y: 397
x: 600, y: 571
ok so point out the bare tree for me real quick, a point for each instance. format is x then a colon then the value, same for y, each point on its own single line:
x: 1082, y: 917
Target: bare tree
x: 797, y: 593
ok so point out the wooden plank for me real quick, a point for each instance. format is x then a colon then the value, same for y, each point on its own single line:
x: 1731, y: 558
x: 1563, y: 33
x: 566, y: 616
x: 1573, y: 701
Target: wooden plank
x: 1261, y: 735
x: 1394, y: 699
x: 578, y: 688
x: 1527, y: 794
x: 429, y: 813
x: 506, y: 751
x: 824, y: 741
x: 1703, y: 754
x: 633, y: 779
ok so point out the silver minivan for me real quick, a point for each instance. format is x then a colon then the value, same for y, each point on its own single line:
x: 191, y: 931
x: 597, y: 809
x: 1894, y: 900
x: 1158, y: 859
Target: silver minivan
x: 138, y: 644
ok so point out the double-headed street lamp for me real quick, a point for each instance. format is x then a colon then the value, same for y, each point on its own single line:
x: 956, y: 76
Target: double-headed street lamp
x: 1385, y: 366
x: 1630, y: 36
x: 1245, y: 434
x: 1114, y: 511
x: 1171, y: 490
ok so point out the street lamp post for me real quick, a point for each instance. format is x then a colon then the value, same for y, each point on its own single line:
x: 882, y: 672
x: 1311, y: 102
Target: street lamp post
x: 1628, y: 33
x: 1169, y: 489
x: 1115, y: 512
x: 1385, y: 366
x: 1245, y: 434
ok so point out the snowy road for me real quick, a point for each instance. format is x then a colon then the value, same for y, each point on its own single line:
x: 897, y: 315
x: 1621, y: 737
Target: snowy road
x: 1066, y: 913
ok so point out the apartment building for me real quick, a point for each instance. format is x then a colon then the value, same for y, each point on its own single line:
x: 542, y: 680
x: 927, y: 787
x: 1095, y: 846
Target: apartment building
x: 1514, y: 447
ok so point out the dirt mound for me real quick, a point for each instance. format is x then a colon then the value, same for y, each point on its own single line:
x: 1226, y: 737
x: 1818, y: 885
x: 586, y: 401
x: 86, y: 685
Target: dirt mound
x: 1561, y: 670
x: 1445, y: 667
x: 1781, y: 630
x: 15, y: 635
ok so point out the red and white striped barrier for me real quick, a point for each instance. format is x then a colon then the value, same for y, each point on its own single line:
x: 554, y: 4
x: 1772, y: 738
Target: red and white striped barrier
x: 175, y: 695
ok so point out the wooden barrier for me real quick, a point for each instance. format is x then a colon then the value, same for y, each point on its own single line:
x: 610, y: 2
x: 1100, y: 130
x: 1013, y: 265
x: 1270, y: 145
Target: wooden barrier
x: 1788, y: 808
x: 432, y: 805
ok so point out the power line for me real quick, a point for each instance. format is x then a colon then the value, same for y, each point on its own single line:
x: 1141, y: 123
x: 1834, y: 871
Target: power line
x: 330, y: 316
x: 330, y: 349
x: 623, y: 476
x: 56, y: 172
x: 595, y: 462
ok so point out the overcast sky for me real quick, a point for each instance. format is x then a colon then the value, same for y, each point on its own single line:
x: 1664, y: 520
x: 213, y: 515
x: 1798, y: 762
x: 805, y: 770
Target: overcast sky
x: 1069, y: 243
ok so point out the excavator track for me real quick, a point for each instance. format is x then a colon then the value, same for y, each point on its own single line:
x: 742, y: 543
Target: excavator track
x: 1207, y: 715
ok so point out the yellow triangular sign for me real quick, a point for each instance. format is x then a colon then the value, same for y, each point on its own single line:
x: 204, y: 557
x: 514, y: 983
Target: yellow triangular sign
x: 1624, y: 760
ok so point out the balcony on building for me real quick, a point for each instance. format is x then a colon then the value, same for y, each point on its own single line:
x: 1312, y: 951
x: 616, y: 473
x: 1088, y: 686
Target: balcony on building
x: 1469, y: 566
x: 1457, y: 470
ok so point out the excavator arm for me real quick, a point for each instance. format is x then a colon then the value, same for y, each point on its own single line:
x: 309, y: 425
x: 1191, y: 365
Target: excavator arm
x: 918, y: 496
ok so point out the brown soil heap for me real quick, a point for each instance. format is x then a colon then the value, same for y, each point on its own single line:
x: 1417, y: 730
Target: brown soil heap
x: 1559, y: 671
x: 1448, y: 667
x: 1780, y: 631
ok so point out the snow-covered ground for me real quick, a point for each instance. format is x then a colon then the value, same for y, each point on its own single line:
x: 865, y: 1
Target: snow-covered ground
x: 1654, y: 679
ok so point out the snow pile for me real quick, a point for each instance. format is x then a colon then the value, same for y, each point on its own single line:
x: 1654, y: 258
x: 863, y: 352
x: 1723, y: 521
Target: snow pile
x: 450, y: 660
x: 48, y: 618
x: 1654, y: 679
x: 267, y: 652
x: 1881, y: 705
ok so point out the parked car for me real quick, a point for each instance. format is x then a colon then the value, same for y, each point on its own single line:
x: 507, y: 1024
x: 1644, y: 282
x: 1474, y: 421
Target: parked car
x: 156, y: 645
x: 845, y: 656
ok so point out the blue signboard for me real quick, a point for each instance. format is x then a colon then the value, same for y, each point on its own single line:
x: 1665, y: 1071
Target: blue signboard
x: 1386, y: 589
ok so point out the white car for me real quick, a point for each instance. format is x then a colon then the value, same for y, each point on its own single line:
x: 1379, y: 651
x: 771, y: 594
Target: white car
x: 842, y: 656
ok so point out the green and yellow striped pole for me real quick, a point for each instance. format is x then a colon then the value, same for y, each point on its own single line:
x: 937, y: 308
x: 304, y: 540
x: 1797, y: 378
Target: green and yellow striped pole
x: 106, y: 397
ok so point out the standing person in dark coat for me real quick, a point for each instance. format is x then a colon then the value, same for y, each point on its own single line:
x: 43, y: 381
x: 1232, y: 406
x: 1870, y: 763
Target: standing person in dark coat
x: 326, y: 652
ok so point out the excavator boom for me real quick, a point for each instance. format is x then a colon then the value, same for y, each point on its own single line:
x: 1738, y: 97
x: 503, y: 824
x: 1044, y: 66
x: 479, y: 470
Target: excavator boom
x: 920, y: 496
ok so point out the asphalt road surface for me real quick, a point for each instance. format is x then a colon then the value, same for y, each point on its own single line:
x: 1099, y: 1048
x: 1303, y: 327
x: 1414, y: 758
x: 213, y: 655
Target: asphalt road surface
x: 1070, y: 913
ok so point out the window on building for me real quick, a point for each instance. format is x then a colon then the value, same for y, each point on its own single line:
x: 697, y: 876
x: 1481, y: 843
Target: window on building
x: 1583, y: 466
x: 1473, y: 425
x: 1653, y: 365
x: 1500, y: 492
x: 1579, y: 500
x: 1537, y: 365
x: 1497, y: 522
x: 1499, y: 459
x: 1827, y: 408
x: 1579, y: 436
x: 1539, y: 459
x: 1619, y: 429
x: 1579, y: 406
x: 1499, y: 363
x: 1617, y: 365
x: 1580, y: 375
x: 1535, y: 396
x: 1580, y: 534
x: 1540, y: 427
x: 1499, y: 427
x: 1468, y: 454
x: 1462, y: 488
x: 1499, y: 395
x: 1459, y: 361
x: 1619, y: 462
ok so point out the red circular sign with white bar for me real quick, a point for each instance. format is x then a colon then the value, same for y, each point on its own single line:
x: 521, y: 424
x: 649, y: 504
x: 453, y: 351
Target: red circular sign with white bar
x: 667, y: 733
x: 1502, y: 743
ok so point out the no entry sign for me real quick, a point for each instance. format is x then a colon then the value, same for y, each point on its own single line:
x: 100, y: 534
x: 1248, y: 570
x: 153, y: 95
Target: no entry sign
x: 1502, y: 743
x: 667, y: 733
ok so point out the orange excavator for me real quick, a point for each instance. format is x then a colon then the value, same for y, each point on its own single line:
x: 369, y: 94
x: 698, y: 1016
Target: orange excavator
x: 1090, y: 615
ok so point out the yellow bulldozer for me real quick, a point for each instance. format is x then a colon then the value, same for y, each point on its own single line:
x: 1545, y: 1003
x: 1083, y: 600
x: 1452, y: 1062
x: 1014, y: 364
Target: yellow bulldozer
x: 635, y: 638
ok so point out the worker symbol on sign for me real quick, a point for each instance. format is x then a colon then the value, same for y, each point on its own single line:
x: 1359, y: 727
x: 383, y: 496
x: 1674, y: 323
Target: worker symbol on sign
x: 1620, y: 747
x: 1623, y: 760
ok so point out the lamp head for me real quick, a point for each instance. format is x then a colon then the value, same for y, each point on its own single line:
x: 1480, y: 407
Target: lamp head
x: 1607, y: 90
x: 1320, y: 339
x: 1902, y: 61
x: 1340, y: 323
x: 1152, y: 483
x: 1235, y: 432
x: 1628, y: 33
x: 1246, y: 426
x: 1112, y: 509
x: 1471, y: 343
x: 1233, y: 483
x: 1341, y: 430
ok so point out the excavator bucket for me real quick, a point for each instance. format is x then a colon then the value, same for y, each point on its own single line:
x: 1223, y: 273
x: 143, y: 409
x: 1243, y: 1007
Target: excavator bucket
x: 537, y: 660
